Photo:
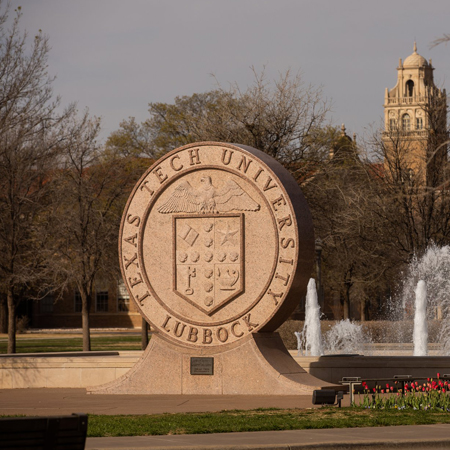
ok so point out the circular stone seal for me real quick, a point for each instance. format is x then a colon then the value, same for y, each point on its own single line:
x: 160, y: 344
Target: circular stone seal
x: 213, y: 238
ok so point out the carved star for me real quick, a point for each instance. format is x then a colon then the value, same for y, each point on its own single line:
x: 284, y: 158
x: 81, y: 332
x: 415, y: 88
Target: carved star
x: 228, y: 235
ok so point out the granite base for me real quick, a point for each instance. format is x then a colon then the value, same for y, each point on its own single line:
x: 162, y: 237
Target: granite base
x: 259, y: 366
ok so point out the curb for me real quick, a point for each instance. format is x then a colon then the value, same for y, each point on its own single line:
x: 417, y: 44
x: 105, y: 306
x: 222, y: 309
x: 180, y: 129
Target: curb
x: 372, y: 445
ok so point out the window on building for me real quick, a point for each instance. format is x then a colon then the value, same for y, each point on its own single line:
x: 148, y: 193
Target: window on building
x: 409, y: 88
x: 392, y: 124
x: 46, y: 305
x: 78, y: 303
x: 406, y: 122
x: 101, y: 301
x: 123, y: 298
x: 419, y: 123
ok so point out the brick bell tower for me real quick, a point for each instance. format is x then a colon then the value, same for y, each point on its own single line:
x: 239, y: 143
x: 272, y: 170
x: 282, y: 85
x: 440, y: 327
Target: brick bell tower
x: 415, y: 115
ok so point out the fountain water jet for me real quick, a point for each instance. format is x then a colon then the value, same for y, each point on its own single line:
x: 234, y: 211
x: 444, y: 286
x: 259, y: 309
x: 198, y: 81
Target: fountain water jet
x: 346, y: 337
x: 420, y: 334
x: 433, y: 267
x: 311, y: 335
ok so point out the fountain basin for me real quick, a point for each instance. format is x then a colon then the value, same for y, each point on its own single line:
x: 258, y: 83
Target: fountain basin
x: 333, y: 369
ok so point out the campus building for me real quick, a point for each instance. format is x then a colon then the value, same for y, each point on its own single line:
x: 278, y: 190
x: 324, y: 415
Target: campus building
x: 111, y: 308
x: 415, y: 113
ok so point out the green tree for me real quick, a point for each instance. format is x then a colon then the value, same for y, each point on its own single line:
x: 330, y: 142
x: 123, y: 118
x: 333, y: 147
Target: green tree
x: 282, y: 118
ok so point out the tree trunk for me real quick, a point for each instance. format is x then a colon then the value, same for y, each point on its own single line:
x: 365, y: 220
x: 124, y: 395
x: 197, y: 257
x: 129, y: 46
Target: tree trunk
x: 85, y: 325
x: 346, y: 305
x: 3, y: 314
x: 144, y: 334
x: 362, y: 304
x: 11, y: 322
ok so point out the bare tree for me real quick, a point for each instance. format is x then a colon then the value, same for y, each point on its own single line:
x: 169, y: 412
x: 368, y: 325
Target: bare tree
x: 353, y: 254
x: 88, y: 197
x: 403, y: 206
x: 374, y: 216
x: 443, y: 39
x: 29, y: 147
x: 412, y: 193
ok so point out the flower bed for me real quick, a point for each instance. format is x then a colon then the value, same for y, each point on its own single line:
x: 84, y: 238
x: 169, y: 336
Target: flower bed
x: 431, y: 395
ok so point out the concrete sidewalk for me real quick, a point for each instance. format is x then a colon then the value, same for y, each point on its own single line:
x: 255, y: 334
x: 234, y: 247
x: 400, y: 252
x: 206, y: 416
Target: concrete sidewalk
x: 48, y: 402
x: 43, y: 402
x: 404, y: 437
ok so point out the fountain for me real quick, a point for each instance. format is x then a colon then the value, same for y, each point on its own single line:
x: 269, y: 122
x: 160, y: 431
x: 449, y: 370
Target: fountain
x: 433, y: 268
x: 420, y: 334
x: 344, y: 337
x: 424, y: 300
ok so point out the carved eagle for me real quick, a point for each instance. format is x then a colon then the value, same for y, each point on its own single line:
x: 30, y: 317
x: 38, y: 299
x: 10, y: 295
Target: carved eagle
x: 208, y: 199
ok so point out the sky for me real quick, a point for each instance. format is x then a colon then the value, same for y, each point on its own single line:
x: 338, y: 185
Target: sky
x: 114, y: 56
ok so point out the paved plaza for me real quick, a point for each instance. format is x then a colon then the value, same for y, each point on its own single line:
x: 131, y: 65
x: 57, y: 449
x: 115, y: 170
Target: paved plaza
x: 44, y: 402
x: 47, y: 402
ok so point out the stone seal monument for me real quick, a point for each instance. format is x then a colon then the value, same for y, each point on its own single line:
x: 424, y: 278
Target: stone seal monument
x: 216, y: 248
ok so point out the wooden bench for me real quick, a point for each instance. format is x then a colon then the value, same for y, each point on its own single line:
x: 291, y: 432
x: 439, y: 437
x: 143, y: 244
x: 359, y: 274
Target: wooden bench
x: 45, y: 433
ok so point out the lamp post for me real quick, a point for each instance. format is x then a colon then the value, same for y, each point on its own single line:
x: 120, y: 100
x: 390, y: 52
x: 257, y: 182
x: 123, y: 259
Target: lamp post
x: 318, y: 248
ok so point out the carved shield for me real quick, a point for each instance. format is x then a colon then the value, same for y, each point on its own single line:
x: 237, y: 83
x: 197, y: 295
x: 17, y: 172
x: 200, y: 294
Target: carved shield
x: 208, y: 255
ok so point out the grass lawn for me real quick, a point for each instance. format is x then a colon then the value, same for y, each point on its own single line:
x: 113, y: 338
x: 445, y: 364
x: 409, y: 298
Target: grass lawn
x: 65, y: 344
x: 257, y: 420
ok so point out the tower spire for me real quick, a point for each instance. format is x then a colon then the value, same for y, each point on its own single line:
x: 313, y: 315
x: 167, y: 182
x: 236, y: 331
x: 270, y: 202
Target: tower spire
x: 415, y: 47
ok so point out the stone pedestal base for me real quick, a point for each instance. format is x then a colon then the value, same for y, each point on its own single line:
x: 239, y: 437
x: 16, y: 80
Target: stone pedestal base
x: 259, y: 366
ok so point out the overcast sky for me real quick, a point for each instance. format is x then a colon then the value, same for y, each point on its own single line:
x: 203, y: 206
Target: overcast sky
x: 116, y: 56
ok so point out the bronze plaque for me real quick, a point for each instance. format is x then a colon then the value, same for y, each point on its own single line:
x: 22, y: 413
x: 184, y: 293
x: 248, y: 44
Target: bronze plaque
x: 202, y: 366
